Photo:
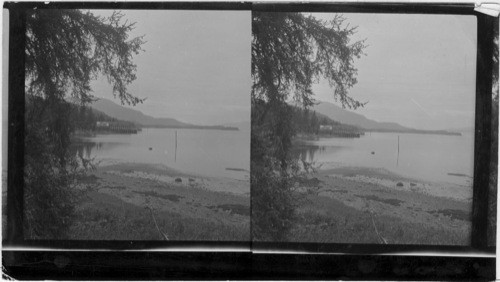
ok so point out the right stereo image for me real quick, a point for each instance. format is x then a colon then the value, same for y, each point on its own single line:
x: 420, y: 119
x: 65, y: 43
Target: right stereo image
x: 363, y: 128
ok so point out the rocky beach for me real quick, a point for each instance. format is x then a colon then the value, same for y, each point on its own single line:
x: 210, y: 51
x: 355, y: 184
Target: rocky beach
x: 132, y: 201
x: 373, y: 205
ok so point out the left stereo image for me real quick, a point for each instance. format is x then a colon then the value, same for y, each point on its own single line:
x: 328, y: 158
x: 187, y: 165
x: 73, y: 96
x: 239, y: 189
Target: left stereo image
x: 136, y: 125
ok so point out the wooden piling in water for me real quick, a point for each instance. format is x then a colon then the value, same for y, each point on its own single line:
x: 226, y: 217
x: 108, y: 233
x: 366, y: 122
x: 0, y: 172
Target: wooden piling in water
x: 175, y: 158
x: 397, y: 160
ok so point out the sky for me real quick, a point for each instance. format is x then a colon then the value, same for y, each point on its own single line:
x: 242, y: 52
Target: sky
x: 418, y: 71
x: 195, y: 66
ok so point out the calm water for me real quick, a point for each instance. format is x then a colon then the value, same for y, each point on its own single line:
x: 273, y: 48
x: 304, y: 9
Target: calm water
x: 202, y: 152
x: 422, y: 156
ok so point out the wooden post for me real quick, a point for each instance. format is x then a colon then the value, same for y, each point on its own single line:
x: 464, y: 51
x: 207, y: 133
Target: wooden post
x: 397, y: 160
x: 175, y: 158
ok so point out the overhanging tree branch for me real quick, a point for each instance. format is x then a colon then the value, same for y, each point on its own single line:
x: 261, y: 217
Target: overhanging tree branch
x: 66, y: 49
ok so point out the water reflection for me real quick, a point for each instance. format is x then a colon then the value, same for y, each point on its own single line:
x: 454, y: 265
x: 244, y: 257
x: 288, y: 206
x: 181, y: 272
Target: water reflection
x: 89, y: 149
x: 306, y: 152
x: 197, y: 152
x: 439, y: 158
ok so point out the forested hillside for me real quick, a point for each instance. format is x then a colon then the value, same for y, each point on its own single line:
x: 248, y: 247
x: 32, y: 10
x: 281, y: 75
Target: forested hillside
x: 307, y: 121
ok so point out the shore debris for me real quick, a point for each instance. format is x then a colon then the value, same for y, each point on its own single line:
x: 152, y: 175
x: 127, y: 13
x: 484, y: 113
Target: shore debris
x: 458, y: 174
x: 235, y: 169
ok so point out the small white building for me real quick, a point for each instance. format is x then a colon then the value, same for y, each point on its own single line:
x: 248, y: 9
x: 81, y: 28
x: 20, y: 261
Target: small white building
x: 102, y: 124
x: 325, y: 128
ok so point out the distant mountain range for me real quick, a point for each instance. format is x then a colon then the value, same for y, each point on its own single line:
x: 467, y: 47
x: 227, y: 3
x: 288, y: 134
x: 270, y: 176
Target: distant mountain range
x: 114, y: 110
x: 329, y: 110
x: 347, y: 117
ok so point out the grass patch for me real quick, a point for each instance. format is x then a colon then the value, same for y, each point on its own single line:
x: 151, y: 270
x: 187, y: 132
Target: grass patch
x: 234, y: 209
x: 170, y: 197
x: 326, y: 220
x: 309, y: 182
x: 338, y: 191
x: 87, y: 179
x: 333, y: 191
x: 454, y: 214
x: 392, y: 202
x: 104, y: 217
x: 119, y: 187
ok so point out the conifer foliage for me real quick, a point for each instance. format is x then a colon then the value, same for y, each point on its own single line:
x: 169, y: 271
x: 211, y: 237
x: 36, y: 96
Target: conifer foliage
x: 290, y: 52
x: 65, y: 51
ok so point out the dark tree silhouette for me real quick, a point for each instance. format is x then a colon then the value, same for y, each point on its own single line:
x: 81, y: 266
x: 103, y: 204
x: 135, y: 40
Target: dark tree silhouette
x: 290, y: 52
x: 65, y: 50
x: 492, y: 197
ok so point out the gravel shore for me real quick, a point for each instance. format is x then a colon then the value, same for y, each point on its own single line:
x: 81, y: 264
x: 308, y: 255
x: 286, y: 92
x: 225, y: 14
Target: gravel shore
x: 369, y: 199
x: 170, y: 196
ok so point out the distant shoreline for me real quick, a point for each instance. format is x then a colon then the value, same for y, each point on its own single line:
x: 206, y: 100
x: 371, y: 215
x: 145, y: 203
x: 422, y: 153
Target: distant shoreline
x: 94, y: 133
x: 214, y: 127
x: 315, y: 137
x: 416, y: 131
x: 304, y: 138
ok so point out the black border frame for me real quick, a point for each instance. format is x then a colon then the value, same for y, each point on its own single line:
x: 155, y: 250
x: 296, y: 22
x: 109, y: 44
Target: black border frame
x: 360, y: 263
x: 241, y: 266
